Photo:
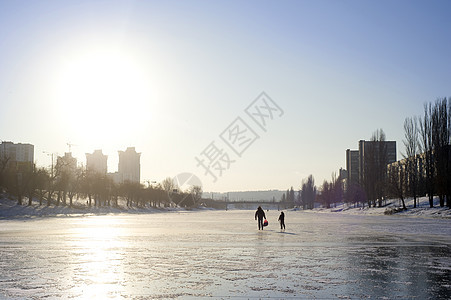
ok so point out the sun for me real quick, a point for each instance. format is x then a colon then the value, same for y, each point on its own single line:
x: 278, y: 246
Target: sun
x: 103, y: 94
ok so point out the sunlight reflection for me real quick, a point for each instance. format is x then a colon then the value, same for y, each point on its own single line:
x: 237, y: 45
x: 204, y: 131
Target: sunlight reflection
x: 98, y: 253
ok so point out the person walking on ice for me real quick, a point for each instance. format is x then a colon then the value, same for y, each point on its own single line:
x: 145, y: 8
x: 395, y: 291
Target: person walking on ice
x: 282, y: 220
x: 260, y: 214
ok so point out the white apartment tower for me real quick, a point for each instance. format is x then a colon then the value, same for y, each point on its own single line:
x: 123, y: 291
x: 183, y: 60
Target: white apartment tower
x: 17, y: 152
x: 97, y: 162
x: 129, y: 165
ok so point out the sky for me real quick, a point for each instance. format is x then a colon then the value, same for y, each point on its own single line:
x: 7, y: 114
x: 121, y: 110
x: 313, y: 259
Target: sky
x: 174, y: 79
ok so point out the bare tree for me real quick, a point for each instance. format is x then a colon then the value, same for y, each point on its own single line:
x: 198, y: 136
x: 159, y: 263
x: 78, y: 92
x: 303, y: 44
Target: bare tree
x: 86, y: 188
x: 19, y: 177
x: 448, y: 161
x: 30, y: 181
x: 131, y: 191
x: 325, y: 196
x: 338, y: 190
x: 41, y: 183
x: 375, y: 168
x: 382, y: 161
x: 396, y: 174
x: 355, y: 194
x: 3, y: 170
x: 440, y: 146
x: 74, y: 184
x: 427, y: 149
x: 169, y: 186
x: 156, y: 195
x: 290, y: 197
x: 114, y: 193
x: 196, y: 193
x: 411, y: 143
x: 61, y: 186
x: 308, y: 192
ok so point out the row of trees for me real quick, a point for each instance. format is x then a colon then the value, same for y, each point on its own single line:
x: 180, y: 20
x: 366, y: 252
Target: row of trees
x: 63, y: 186
x: 425, y: 169
x: 371, y: 188
x: 306, y: 196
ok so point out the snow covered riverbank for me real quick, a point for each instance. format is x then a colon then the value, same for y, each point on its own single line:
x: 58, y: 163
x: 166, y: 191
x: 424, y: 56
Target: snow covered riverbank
x: 393, y: 207
x: 10, y: 209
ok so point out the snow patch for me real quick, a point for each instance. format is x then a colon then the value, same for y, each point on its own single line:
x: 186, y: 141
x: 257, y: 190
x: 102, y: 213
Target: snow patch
x: 393, y: 206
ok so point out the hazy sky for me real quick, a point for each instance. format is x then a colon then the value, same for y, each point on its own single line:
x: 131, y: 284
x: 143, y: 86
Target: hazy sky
x: 169, y: 77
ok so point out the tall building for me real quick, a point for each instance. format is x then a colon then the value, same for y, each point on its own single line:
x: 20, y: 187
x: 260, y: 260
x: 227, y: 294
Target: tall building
x: 129, y: 165
x: 66, y: 163
x: 16, y: 153
x: 352, y: 165
x: 357, y: 159
x: 97, y: 162
x: 368, y: 149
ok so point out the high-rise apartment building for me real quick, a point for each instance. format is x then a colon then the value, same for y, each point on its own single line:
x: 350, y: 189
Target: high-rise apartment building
x: 16, y: 153
x: 375, y: 150
x: 356, y: 160
x: 97, y: 162
x: 352, y: 165
x: 129, y: 165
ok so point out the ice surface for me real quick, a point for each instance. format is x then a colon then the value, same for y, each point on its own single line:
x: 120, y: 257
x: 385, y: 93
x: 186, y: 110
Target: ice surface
x: 223, y: 254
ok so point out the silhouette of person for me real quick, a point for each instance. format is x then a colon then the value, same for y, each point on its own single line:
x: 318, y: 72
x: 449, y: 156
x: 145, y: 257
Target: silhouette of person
x: 282, y: 220
x: 260, y: 214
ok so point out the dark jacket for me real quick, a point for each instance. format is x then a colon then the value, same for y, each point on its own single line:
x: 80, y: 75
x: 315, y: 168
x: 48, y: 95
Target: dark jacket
x: 260, y: 214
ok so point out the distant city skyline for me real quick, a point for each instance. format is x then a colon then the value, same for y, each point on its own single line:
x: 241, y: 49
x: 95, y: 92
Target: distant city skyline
x: 169, y: 78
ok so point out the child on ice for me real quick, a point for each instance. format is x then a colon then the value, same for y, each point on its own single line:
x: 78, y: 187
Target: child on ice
x: 282, y: 221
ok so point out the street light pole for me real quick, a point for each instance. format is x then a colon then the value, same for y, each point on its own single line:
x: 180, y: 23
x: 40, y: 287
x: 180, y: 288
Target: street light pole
x: 3, y: 152
x: 51, y: 179
x: 50, y: 154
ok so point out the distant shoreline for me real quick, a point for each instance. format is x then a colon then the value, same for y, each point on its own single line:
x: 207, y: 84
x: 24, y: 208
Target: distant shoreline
x: 10, y: 210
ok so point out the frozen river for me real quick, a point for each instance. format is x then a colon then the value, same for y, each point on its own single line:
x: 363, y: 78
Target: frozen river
x: 222, y: 254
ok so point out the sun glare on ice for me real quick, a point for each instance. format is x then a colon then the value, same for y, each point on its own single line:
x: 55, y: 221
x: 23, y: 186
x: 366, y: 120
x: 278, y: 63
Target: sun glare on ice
x: 99, y: 251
